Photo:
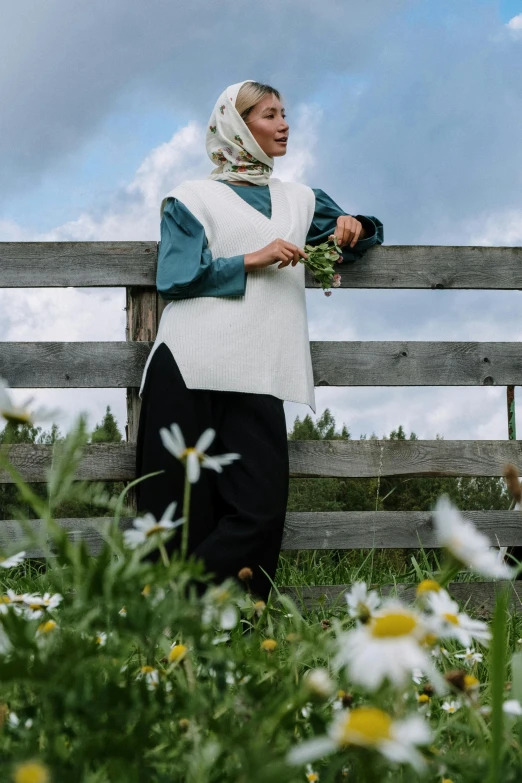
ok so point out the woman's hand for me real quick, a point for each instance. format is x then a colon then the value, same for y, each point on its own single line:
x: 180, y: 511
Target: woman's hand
x: 278, y: 250
x: 348, y: 231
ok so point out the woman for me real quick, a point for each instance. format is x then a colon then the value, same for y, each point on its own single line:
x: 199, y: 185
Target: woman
x: 233, y: 342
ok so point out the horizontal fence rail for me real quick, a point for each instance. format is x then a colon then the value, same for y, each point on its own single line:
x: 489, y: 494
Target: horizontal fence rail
x: 322, y: 530
x: 308, y: 459
x: 39, y: 365
x: 119, y: 364
x: 93, y: 264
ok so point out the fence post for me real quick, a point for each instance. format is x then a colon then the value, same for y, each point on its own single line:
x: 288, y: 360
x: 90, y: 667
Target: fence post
x: 143, y: 312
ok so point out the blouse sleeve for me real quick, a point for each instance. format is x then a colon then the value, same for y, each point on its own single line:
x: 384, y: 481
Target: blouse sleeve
x: 324, y: 223
x: 186, y: 268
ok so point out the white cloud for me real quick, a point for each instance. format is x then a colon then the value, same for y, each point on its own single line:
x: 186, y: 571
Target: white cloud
x: 515, y: 24
x: 500, y: 228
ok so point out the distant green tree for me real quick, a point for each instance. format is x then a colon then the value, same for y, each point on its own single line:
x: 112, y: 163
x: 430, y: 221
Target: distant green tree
x: 107, y: 431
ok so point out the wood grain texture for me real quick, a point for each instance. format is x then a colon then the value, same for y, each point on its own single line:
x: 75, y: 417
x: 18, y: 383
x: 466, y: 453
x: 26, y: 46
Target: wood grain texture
x: 308, y: 459
x: 62, y: 264
x: 476, y: 596
x: 335, y: 530
x: 45, y: 264
x: 40, y: 365
x: 388, y: 529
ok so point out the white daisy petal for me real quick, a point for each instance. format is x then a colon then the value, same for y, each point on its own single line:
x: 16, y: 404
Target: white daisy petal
x: 171, y: 443
x: 193, y: 471
x: 205, y: 440
x: 14, y: 560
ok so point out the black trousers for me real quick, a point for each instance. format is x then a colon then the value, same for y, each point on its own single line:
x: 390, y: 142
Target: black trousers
x: 237, y: 516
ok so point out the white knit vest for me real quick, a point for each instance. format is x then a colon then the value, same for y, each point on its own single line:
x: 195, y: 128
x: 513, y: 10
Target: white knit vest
x: 258, y: 342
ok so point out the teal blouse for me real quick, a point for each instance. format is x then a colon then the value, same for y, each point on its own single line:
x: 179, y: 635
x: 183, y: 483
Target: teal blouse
x: 186, y: 268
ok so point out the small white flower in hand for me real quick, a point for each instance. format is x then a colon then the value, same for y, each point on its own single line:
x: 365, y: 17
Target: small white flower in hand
x: 174, y: 442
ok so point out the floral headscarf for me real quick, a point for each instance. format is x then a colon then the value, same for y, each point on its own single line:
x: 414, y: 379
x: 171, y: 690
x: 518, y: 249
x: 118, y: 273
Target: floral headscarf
x: 232, y: 147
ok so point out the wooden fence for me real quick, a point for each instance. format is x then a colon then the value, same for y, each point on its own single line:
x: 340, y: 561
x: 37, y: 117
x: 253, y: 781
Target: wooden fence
x: 119, y: 364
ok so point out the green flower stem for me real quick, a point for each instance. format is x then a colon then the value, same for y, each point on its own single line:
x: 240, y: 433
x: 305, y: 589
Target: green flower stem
x: 186, y: 515
x: 163, y: 551
x: 497, y: 677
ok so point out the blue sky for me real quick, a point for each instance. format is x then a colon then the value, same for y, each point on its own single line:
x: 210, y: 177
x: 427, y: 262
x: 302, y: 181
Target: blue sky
x: 405, y: 109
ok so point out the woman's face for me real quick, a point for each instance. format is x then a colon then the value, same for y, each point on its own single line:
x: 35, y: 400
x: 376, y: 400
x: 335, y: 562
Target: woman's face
x: 267, y: 123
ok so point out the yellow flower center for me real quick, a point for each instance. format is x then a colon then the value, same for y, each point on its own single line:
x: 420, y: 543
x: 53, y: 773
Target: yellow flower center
x: 4, y: 599
x: 35, y: 607
x: 147, y: 669
x: 428, y: 586
x: 21, y: 417
x: 31, y: 772
x: 393, y: 624
x: 146, y: 590
x: 451, y: 618
x: 365, y: 726
x: 47, y: 627
x: 269, y: 645
x: 312, y: 777
x: 470, y: 682
x: 184, y: 454
x: 423, y: 698
x: 154, y: 529
x: 177, y: 653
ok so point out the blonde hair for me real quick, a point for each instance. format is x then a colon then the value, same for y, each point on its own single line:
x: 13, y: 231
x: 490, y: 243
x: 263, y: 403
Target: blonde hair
x: 250, y: 94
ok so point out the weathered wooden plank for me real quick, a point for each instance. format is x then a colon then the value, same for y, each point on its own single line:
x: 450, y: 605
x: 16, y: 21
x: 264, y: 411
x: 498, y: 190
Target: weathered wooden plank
x: 63, y: 264
x: 368, y: 458
x: 308, y: 459
x: 120, y: 364
x: 87, y: 529
x: 476, y: 596
x: 388, y: 529
x: 100, y: 462
x: 416, y: 363
x: 336, y: 530
x: 45, y: 264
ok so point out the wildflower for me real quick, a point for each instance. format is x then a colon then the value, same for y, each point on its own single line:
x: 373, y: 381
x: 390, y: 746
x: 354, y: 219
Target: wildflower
x: 184, y: 724
x: 101, y: 638
x: 311, y: 776
x: 245, y: 574
x: 268, y: 645
x: 259, y: 607
x: 174, y: 442
x: 452, y: 706
x: 219, y: 609
x: 150, y: 675
x: 427, y: 586
x: 20, y: 415
x: 36, y: 605
x: 147, y: 526
x: 368, y: 727
x: 388, y: 647
x: 319, y: 682
x: 512, y: 707
x: 469, y: 656
x: 47, y: 627
x: 423, y: 698
x: 31, y: 772
x: 456, y: 624
x: 177, y: 653
x: 336, y: 281
x: 465, y: 543
x: 13, y: 719
x: 11, y: 562
x: 146, y: 590
x: 361, y: 603
x: 123, y: 612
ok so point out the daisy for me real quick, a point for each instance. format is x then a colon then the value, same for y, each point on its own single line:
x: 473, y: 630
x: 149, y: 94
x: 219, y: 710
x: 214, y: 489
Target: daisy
x: 361, y: 603
x: 368, y: 727
x: 319, y: 682
x: 36, y: 605
x: 389, y: 647
x: 101, y: 638
x: 20, y: 415
x: 456, y: 624
x: 512, y: 707
x: 311, y: 775
x: 470, y: 656
x: 452, y: 706
x: 147, y: 526
x: 150, y: 675
x: 174, y: 442
x: 11, y: 562
x: 465, y: 543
